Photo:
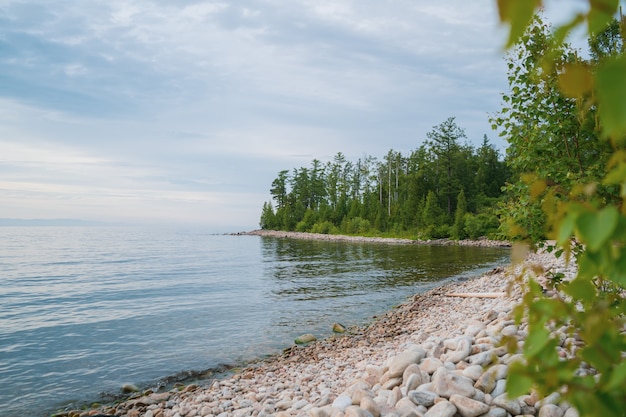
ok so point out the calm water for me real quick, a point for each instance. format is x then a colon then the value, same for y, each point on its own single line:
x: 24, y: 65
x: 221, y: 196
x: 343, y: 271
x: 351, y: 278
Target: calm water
x: 85, y: 310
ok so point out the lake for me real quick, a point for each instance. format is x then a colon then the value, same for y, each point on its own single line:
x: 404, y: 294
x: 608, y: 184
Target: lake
x: 84, y: 310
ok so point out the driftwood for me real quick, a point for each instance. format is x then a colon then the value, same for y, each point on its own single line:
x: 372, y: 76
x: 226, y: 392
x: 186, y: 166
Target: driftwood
x: 476, y: 294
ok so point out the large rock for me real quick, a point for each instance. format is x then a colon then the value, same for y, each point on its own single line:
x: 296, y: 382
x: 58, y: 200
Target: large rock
x: 413, y: 381
x: 496, y: 412
x: 483, y: 358
x: 487, y: 381
x: 462, y: 351
x: 339, y: 328
x: 407, y: 407
x: 342, y: 402
x: 399, y: 363
x: 369, y: 405
x: 305, y: 338
x: 354, y: 411
x: 468, y: 407
x: 425, y: 398
x: 446, y: 383
x: 442, y: 409
x: 473, y: 372
x: 430, y: 365
x: 512, y: 406
x: 551, y: 410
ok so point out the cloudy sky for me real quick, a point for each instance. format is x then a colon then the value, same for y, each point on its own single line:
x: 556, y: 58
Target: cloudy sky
x: 183, y: 112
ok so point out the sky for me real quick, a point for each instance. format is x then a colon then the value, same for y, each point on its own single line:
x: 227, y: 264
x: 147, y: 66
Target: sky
x: 183, y: 112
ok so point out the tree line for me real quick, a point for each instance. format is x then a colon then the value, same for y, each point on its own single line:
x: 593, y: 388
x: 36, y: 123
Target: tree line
x: 444, y: 188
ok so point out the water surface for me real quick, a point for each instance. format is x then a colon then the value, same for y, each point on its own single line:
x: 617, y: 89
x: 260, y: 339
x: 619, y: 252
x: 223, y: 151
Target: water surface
x: 84, y: 310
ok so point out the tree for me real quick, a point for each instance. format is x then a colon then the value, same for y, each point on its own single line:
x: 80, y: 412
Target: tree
x: 458, y: 228
x: 547, y: 134
x: 443, y: 142
x: 268, y: 218
x: 432, y: 216
x: 587, y: 222
x: 279, y: 189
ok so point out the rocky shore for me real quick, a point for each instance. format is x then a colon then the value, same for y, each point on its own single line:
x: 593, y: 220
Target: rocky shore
x: 356, y: 239
x: 437, y: 355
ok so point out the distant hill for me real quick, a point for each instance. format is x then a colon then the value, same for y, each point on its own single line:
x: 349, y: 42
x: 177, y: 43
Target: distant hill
x: 51, y: 222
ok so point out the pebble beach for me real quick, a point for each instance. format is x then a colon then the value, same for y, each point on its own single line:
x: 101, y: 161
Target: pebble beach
x: 436, y: 355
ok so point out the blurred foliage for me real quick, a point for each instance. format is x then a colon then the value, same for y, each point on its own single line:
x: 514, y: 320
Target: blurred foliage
x: 580, y: 208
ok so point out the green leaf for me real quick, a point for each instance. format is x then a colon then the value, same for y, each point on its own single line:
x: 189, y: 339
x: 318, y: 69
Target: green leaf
x: 601, y: 13
x: 537, y: 339
x: 581, y: 289
x: 611, y: 87
x: 596, y: 228
x: 566, y: 228
x: 617, y: 175
x: 618, y: 274
x: 595, y: 358
x: 518, y: 13
x: 618, y: 377
x: 576, y: 80
x: 518, y: 384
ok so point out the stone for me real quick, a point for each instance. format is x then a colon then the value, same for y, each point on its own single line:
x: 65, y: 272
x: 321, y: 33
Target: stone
x: 489, y: 316
x: 445, y: 383
x: 300, y: 404
x: 285, y: 404
x: 468, y: 407
x: 339, y: 328
x: 129, y: 388
x: 354, y: 411
x: 551, y: 410
x: 473, y: 329
x: 473, y: 372
x: 394, y: 397
x: 442, y: 409
x: 528, y: 409
x: 305, y: 338
x: 571, y: 412
x: 399, y: 363
x: 430, y: 365
x: 369, y: 405
x: 405, y: 406
x: 413, y: 381
x: 411, y: 369
x: 358, y: 395
x: 487, y: 381
x: 496, y: 412
x: 480, y: 396
x: 500, y: 388
x: 342, y: 402
x: 320, y: 412
x: 374, y: 370
x: 553, y: 398
x: 483, y: 358
x: 391, y: 383
x: 509, y: 330
x: 463, y: 350
x: 425, y: 398
x: 512, y: 406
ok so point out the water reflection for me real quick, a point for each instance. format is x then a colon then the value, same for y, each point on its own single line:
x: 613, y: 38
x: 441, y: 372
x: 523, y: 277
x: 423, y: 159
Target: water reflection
x: 307, y: 270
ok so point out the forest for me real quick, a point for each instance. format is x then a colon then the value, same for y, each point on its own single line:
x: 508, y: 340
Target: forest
x: 444, y: 188
x: 448, y: 188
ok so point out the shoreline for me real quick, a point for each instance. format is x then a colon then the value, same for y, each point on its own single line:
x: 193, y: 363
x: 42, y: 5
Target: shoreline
x: 364, y: 239
x: 451, y: 342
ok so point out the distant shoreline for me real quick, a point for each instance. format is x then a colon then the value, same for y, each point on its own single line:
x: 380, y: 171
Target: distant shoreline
x: 390, y: 240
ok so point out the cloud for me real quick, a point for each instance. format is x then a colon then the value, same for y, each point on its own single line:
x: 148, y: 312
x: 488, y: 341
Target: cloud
x: 171, y: 111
